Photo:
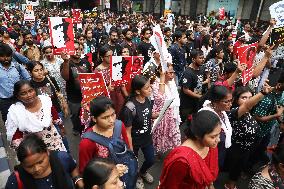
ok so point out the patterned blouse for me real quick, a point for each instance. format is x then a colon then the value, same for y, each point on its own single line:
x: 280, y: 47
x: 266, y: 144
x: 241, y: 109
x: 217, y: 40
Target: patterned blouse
x: 54, y: 71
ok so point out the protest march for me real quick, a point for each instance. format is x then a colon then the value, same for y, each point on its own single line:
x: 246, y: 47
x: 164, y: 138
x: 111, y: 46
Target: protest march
x: 119, y: 94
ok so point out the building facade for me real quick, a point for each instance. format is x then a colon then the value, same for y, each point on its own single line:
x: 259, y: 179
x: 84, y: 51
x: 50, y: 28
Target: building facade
x: 245, y: 9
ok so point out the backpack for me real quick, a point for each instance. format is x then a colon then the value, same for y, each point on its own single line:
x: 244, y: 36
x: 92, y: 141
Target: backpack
x: 118, y: 152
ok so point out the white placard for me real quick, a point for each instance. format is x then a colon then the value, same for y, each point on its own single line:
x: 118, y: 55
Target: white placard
x: 32, y: 2
x: 29, y: 13
x: 162, y: 113
x: 277, y: 12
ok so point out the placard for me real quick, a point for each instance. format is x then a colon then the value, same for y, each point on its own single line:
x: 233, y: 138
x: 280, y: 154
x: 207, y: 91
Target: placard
x: 32, y: 2
x: 62, y: 35
x: 277, y: 12
x: 29, y: 14
x: 92, y: 86
x: 77, y: 16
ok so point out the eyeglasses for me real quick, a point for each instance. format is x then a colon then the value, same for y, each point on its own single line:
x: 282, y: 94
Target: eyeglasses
x: 125, y: 51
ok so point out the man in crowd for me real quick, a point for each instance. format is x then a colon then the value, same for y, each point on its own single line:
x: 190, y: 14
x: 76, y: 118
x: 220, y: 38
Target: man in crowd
x: 69, y: 71
x: 10, y: 72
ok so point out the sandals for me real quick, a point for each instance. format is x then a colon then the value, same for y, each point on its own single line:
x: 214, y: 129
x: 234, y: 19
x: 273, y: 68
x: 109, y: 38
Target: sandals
x: 147, y: 177
x: 140, y: 183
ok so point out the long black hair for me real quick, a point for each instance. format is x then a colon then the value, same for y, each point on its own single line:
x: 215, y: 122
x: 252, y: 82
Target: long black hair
x: 33, y: 64
x: 138, y: 82
x: 97, y: 172
x: 278, y: 155
x: 202, y: 123
x: 215, y: 94
x: 238, y: 92
x: 17, y: 87
x: 31, y: 144
x: 99, y: 105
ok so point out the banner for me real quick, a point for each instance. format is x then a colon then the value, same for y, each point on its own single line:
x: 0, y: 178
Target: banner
x: 247, y: 75
x: 107, y: 4
x: 277, y: 12
x: 157, y: 40
x: 221, y: 13
x: 92, y: 86
x: 124, y: 68
x: 62, y: 35
x: 137, y: 66
x: 277, y: 35
x: 77, y: 16
x: 246, y: 54
x: 29, y: 14
x: 231, y: 6
x: 32, y: 2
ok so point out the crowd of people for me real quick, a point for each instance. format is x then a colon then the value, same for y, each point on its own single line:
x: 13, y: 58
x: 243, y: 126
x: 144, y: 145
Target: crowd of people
x: 215, y: 123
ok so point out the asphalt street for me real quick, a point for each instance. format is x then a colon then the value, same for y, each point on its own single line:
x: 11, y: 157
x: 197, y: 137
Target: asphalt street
x: 8, y: 160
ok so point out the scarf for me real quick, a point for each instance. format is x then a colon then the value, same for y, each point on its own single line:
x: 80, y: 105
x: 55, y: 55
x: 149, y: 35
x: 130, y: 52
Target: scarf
x: 26, y: 121
x: 225, y: 124
x: 58, y: 174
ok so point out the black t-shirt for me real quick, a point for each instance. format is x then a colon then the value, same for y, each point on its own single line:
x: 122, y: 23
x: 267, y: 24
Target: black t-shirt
x: 116, y: 49
x: 141, y: 122
x: 192, y: 80
x: 73, y: 88
x: 146, y: 49
x: 91, y: 44
x: 245, y: 129
x: 46, y: 88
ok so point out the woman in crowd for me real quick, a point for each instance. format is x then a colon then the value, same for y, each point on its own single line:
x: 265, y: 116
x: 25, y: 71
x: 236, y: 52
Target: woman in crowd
x: 228, y: 52
x: 137, y: 117
x: 125, y: 51
x: 101, y: 173
x: 245, y: 129
x: 194, y: 164
x: 32, y: 113
x: 206, y: 44
x: 52, y: 66
x: 271, y: 175
x: 103, y: 121
x: 219, y: 100
x: 214, y: 65
x: 46, y: 85
x: 166, y: 135
x: 40, y: 168
x: 117, y: 93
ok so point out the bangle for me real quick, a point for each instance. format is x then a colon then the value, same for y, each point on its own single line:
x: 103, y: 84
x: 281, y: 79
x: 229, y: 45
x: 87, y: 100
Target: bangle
x: 77, y: 180
x: 161, y: 83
